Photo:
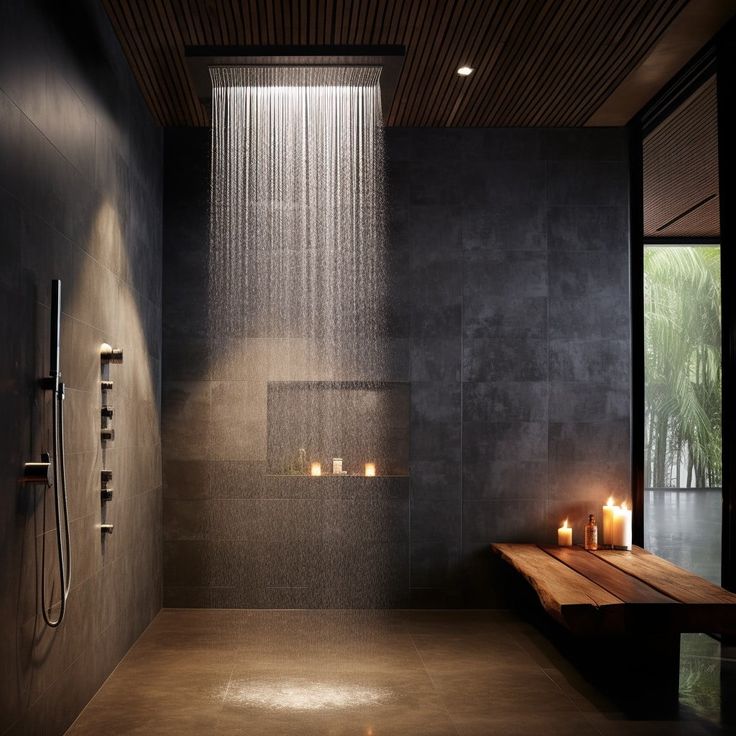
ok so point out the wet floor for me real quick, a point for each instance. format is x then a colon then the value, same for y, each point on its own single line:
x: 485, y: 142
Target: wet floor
x: 373, y: 673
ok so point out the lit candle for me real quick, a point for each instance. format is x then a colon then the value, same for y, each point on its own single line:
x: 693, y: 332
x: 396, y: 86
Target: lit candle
x: 370, y: 470
x: 564, y: 535
x: 336, y: 466
x: 622, y: 527
x: 316, y: 469
x: 608, y: 513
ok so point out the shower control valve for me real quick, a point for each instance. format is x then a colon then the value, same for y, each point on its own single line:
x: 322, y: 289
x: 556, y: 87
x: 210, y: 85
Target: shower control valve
x: 106, y: 475
x: 107, y: 434
x: 106, y: 385
x: 106, y: 494
x: 106, y: 412
x: 107, y: 528
x: 109, y: 354
x: 38, y: 472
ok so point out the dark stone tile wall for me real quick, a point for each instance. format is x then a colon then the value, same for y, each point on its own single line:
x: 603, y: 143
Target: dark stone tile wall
x: 518, y: 248
x: 80, y: 200
x: 509, y: 317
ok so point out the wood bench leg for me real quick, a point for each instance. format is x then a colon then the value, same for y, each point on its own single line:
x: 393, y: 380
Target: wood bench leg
x: 644, y: 669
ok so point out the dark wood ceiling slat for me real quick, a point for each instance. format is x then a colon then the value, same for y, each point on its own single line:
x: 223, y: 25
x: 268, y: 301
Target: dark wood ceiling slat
x: 156, y: 32
x: 562, y: 32
x: 643, y: 30
x: 582, y: 43
x: 140, y: 70
x: 436, y: 26
x: 681, y: 170
x: 513, y: 29
x: 482, y: 50
x: 538, y: 62
x: 167, y: 19
x: 144, y: 51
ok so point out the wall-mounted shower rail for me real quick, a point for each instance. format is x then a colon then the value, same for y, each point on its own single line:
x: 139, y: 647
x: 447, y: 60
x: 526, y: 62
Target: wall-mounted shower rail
x: 54, y: 384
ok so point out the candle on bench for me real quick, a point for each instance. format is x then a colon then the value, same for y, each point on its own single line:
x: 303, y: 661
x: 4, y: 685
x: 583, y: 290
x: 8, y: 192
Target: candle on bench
x: 622, y: 527
x: 608, y: 513
x: 564, y: 535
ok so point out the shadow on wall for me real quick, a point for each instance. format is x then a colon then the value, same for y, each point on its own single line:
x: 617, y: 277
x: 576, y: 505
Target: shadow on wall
x: 88, y: 287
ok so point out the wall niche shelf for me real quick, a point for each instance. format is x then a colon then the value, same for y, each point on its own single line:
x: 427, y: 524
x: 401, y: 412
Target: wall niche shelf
x: 358, y: 421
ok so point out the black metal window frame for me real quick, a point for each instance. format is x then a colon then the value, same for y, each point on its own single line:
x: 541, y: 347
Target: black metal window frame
x: 717, y: 59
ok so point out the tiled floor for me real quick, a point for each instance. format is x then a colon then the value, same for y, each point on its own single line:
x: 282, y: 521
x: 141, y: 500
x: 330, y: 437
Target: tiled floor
x: 373, y: 673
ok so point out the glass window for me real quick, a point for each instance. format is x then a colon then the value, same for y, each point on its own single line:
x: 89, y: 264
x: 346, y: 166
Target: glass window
x: 682, y: 434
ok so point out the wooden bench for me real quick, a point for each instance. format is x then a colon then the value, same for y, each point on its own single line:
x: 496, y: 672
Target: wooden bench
x: 633, y: 600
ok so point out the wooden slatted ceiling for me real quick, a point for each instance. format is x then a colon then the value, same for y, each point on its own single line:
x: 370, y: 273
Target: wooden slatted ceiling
x: 538, y: 62
x: 681, y: 170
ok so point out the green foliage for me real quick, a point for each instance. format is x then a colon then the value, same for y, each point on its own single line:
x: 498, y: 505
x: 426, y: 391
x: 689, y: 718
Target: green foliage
x: 682, y: 336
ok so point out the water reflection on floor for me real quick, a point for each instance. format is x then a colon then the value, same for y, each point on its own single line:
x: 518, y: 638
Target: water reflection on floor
x: 685, y: 528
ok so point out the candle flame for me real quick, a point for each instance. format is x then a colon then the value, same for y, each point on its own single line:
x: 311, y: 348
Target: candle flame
x: 610, y: 501
x: 564, y: 524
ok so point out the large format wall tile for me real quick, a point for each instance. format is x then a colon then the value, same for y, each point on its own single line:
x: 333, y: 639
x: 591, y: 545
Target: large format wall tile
x: 80, y: 200
x: 508, y: 314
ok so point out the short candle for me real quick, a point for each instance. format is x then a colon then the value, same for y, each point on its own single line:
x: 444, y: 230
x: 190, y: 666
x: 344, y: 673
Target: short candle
x: 564, y: 535
x: 316, y: 469
x: 370, y: 470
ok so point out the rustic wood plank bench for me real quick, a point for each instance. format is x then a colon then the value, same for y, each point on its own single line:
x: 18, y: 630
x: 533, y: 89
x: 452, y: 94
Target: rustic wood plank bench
x: 636, y: 602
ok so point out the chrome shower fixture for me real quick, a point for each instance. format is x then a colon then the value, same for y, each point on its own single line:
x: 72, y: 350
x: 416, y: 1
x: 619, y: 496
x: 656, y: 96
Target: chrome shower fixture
x: 38, y: 473
x: 52, y: 469
x: 109, y: 354
x: 106, y: 385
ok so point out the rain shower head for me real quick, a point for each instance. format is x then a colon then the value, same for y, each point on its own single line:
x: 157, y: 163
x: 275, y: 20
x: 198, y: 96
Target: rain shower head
x: 389, y: 58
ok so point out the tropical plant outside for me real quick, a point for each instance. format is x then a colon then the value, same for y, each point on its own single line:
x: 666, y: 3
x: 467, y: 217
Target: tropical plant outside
x: 682, y: 336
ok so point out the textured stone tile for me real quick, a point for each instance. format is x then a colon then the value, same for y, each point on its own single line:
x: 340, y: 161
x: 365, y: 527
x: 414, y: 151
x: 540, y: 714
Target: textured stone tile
x: 511, y: 226
x: 597, y: 361
x: 504, y: 359
x: 575, y: 183
x: 505, y: 401
x: 584, y: 144
x: 483, y: 441
x: 490, y: 478
x: 589, y: 229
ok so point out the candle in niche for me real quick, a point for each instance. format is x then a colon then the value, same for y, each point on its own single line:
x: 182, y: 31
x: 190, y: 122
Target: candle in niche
x: 370, y: 470
x: 564, y: 535
x: 315, y: 469
x: 337, y: 466
x: 622, y: 527
x: 608, y: 512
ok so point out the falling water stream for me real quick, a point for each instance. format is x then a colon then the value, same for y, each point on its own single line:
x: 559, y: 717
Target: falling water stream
x: 297, y: 264
x: 297, y: 248
x: 297, y: 210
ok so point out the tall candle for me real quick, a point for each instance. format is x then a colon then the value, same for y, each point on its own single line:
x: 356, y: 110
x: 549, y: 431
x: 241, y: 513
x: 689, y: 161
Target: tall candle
x: 564, y: 535
x: 608, y: 512
x: 622, y: 527
x: 370, y: 469
x: 316, y: 469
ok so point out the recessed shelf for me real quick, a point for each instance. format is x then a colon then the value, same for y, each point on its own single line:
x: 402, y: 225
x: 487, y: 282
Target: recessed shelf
x: 358, y: 421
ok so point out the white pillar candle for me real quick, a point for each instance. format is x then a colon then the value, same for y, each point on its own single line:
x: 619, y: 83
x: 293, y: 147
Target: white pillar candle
x: 564, y: 535
x: 622, y: 527
x: 608, y: 513
x: 337, y: 466
x: 370, y: 469
x: 316, y: 469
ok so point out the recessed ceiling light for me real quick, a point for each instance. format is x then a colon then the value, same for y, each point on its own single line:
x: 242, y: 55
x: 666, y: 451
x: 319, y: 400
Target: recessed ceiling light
x: 465, y: 71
